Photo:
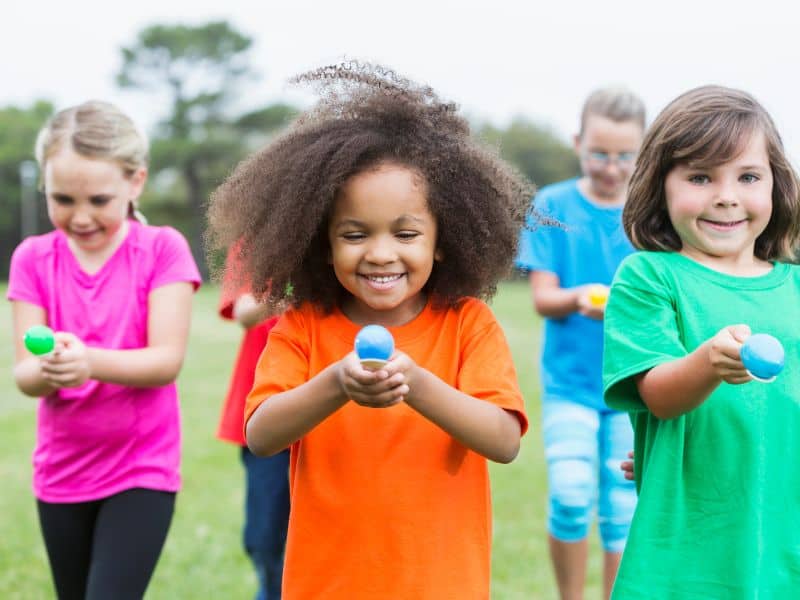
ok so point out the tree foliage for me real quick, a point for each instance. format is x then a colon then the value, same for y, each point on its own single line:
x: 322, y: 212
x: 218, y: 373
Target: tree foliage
x: 18, y: 129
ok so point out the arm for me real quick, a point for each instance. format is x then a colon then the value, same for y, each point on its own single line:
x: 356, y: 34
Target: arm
x: 486, y: 428
x: 27, y: 367
x: 248, y: 312
x: 552, y: 301
x: 169, y: 314
x: 286, y: 417
x: 678, y: 386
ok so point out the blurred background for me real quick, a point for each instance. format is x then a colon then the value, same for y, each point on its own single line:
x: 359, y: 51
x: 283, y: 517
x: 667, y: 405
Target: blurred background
x: 207, y: 80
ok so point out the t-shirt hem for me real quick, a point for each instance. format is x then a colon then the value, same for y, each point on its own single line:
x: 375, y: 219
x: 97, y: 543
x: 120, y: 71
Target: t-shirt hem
x: 44, y: 496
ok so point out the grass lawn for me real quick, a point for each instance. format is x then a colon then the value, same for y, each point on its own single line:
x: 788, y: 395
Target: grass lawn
x: 203, y: 556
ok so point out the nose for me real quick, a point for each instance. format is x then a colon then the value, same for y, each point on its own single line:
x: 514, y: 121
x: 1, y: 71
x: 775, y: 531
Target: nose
x: 81, y: 216
x: 381, y: 251
x: 726, y: 195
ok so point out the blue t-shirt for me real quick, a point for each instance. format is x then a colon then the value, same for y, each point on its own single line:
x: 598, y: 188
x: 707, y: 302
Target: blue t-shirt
x: 588, y: 249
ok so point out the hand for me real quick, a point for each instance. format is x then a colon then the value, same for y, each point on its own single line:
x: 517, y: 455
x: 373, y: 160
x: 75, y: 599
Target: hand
x: 68, y: 365
x: 724, y: 354
x: 586, y: 307
x: 373, y: 389
x: 627, y: 467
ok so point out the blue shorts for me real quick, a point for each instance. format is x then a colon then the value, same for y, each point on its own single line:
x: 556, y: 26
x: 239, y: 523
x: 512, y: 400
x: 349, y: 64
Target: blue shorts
x: 584, y: 448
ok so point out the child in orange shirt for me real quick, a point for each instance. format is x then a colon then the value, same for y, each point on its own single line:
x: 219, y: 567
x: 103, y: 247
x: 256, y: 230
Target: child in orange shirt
x: 378, y: 207
x: 266, y: 513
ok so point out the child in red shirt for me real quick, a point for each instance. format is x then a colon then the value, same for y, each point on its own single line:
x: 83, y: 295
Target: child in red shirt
x: 267, y: 484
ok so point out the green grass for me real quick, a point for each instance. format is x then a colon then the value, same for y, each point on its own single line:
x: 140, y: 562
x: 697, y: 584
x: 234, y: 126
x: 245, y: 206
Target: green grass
x: 203, y: 556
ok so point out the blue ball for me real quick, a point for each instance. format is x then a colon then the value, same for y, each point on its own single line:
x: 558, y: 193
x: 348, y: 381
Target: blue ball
x: 374, y: 342
x: 763, y: 356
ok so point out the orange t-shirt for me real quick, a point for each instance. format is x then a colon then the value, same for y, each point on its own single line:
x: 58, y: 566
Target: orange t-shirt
x: 231, y: 420
x: 385, y: 504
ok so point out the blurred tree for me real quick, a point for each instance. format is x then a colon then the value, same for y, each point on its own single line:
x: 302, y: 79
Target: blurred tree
x: 200, y: 70
x: 18, y: 129
x: 535, y: 150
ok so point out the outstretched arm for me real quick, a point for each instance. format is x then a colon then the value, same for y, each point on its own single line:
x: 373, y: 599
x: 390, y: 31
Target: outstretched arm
x: 553, y: 301
x: 678, y: 386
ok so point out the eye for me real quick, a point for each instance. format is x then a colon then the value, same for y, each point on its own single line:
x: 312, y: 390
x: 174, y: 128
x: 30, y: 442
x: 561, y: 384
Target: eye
x: 353, y: 236
x: 749, y: 178
x: 100, y: 200
x: 61, y: 199
x: 407, y: 236
x: 626, y: 157
x: 598, y: 156
x: 699, y: 178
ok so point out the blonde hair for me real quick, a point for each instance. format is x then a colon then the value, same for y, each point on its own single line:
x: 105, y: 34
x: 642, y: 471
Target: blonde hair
x: 616, y: 103
x: 708, y: 126
x: 94, y: 129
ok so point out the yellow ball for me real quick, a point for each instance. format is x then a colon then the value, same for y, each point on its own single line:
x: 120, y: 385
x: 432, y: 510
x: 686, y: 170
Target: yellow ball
x: 598, y: 295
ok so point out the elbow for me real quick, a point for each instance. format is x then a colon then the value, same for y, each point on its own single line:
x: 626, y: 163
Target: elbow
x: 258, y: 443
x: 506, y: 456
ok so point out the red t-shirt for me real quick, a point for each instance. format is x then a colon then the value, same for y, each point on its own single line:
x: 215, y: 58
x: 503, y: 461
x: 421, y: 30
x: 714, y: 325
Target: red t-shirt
x: 231, y: 421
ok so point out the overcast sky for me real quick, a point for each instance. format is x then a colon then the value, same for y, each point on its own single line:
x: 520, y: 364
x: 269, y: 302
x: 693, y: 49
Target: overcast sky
x: 496, y: 58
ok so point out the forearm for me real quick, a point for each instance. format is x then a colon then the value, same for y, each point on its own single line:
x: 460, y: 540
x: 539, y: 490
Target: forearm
x: 481, y: 426
x: 29, y: 380
x: 676, y: 387
x: 556, y: 303
x: 142, y: 367
x: 286, y: 417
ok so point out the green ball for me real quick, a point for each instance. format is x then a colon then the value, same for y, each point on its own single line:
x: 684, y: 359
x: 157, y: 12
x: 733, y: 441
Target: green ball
x: 39, y: 340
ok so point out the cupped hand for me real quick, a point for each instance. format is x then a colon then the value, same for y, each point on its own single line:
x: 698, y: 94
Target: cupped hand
x: 68, y: 365
x: 379, y: 388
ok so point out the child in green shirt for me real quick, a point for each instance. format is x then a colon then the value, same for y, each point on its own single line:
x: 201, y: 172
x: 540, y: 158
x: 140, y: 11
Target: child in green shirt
x: 713, y: 205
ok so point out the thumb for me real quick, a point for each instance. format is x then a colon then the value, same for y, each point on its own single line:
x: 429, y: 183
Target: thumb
x: 740, y: 332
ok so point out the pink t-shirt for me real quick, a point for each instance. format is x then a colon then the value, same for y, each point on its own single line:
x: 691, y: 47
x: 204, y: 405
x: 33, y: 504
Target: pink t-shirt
x: 102, y: 438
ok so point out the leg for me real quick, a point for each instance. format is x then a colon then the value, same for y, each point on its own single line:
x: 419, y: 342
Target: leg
x: 67, y: 530
x: 570, y: 438
x: 129, y: 535
x: 617, y: 495
x: 266, y: 518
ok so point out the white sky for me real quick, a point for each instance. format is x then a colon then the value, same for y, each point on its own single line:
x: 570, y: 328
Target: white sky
x: 497, y: 59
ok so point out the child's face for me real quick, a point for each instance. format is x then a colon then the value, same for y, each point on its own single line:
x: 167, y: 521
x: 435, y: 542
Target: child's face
x: 607, y: 150
x: 718, y: 212
x: 88, y: 198
x: 383, y: 244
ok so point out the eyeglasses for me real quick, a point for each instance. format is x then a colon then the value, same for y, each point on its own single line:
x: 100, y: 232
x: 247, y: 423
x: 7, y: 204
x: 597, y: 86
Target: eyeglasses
x: 621, y: 159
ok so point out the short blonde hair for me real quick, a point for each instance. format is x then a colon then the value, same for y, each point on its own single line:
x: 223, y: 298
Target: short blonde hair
x: 94, y: 129
x: 616, y: 103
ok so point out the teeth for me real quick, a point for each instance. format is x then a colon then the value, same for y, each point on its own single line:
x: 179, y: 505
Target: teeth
x: 385, y: 279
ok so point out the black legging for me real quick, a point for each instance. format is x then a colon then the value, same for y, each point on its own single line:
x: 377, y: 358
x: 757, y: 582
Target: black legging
x: 106, y: 548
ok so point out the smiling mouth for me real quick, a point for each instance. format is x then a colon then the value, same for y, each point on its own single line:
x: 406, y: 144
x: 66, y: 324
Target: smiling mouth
x: 723, y: 225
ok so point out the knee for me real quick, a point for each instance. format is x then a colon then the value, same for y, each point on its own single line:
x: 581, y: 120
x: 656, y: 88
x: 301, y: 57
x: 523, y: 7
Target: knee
x: 572, y: 489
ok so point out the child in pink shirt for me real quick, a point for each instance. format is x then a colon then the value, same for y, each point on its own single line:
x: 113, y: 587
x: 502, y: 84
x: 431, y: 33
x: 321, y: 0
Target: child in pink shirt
x: 118, y: 295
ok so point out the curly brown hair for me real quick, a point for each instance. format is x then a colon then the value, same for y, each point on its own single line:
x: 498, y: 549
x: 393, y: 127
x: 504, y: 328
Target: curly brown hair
x: 275, y: 206
x: 708, y: 126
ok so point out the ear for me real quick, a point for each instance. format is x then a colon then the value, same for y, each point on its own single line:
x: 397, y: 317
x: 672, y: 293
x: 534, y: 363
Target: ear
x: 576, y: 143
x: 137, y: 181
x: 438, y: 256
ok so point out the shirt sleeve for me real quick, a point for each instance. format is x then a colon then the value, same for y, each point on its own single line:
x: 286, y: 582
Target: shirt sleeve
x: 174, y: 260
x: 284, y: 363
x: 640, y: 330
x: 24, y: 281
x: 539, y: 247
x: 487, y: 367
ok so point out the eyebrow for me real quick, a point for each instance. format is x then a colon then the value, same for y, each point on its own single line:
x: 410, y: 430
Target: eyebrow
x: 349, y: 222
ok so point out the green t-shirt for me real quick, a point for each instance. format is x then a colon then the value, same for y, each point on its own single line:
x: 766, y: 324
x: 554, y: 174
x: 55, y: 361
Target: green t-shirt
x: 718, y: 514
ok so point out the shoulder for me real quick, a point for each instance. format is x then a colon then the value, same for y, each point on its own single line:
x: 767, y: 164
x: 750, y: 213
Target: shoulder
x: 158, y: 237
x: 552, y: 197
x: 36, y: 247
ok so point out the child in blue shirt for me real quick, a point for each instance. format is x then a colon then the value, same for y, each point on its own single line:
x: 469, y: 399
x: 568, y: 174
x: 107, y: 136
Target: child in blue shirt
x: 570, y: 268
